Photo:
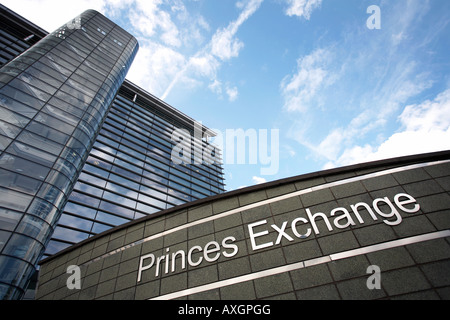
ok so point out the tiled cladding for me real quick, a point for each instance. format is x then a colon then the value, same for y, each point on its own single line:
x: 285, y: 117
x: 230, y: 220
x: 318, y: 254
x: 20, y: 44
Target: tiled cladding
x: 130, y: 174
x: 53, y: 99
x: 244, y: 244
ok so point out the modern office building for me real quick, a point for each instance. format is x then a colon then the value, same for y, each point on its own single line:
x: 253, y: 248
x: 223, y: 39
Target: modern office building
x: 378, y: 230
x: 82, y: 150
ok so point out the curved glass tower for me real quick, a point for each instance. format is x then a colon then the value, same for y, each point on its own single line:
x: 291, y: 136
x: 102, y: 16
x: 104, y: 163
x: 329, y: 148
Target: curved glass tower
x: 53, y: 101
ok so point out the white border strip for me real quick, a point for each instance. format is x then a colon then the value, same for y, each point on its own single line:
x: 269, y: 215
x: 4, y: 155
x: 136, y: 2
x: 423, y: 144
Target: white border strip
x: 307, y: 263
x: 268, y: 201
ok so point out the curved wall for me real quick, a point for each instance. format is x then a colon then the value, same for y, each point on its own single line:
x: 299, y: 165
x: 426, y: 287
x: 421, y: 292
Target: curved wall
x: 372, y: 231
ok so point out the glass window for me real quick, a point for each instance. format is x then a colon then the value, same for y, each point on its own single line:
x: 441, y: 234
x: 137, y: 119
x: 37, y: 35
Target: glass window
x: 4, y: 236
x: 8, y: 129
x: 15, y: 200
x: 75, y: 146
x: 17, y: 107
x: 117, y: 210
x: 175, y: 201
x: 22, y: 89
x: 154, y: 193
x: 20, y: 165
x: 86, y: 177
x: 68, y: 108
x: 123, y: 191
x: 47, y: 132
x: 124, y: 181
x: 95, y: 170
x: 44, y: 210
x: 9, y: 219
x: 60, y: 114
x: 99, y: 228
x: 80, y: 210
x: 152, y: 201
x: 50, y: 193
x: 40, y: 142
x: 23, y: 247
x: 34, y: 82
x: 99, y: 163
x: 4, y: 142
x: 74, y: 236
x: 40, y: 68
x: 55, y: 246
x: 59, y: 180
x: 39, y: 156
x: 147, y: 209
x: 84, y: 199
x: 68, y: 220
x: 91, y: 190
x: 52, y: 81
x: 12, y: 270
x: 119, y: 199
x: 34, y: 227
x: 128, y: 174
x: 110, y: 219
x: 20, y: 120
x: 19, y: 182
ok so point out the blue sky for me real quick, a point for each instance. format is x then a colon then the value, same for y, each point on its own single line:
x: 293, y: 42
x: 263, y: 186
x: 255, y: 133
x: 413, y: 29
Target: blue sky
x: 338, y: 92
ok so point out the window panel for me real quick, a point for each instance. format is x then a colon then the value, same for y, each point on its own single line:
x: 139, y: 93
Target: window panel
x: 19, y: 165
x: 20, y: 120
x: 9, y: 130
x: 70, y: 235
x: 23, y: 247
x: 147, y: 209
x: 123, y: 191
x: 110, y: 219
x: 44, y: 210
x: 19, y: 182
x: 9, y: 219
x: 80, y: 210
x: 34, y: 227
x: 75, y: 222
x: 42, y: 143
x: 119, y: 199
x: 117, y: 210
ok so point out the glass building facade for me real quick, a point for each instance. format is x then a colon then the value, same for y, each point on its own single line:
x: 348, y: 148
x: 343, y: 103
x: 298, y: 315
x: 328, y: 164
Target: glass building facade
x: 53, y: 100
x: 81, y: 150
x: 129, y: 172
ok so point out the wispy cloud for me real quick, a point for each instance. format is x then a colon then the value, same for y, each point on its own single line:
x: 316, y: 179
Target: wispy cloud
x: 424, y: 128
x: 302, y: 8
x: 355, y: 90
x: 223, y: 46
x: 300, y: 89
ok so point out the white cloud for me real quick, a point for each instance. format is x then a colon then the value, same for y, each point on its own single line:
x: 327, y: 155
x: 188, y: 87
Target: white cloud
x: 155, y: 65
x: 223, y: 46
x: 232, y: 93
x: 300, y: 89
x: 167, y: 32
x: 147, y: 17
x: 425, y: 128
x: 259, y: 180
x: 302, y: 8
x: 216, y: 87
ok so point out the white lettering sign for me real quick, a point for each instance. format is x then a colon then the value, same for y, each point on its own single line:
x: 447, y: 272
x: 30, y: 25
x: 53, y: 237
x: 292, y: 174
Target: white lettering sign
x: 300, y: 228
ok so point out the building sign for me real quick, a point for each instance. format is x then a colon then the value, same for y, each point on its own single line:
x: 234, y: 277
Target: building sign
x: 388, y: 210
